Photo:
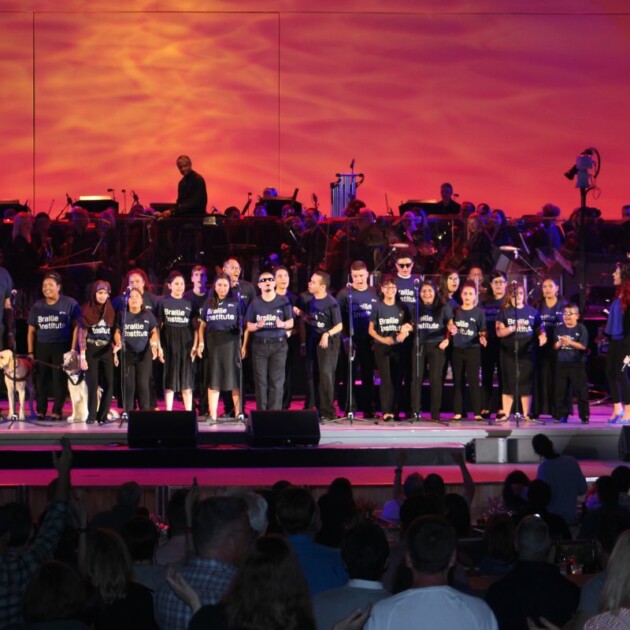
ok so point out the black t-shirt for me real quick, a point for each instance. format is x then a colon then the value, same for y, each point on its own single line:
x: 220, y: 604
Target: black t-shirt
x: 528, y: 323
x: 389, y: 318
x: 268, y: 311
x: 363, y: 303
x: 469, y: 324
x: 54, y: 322
x: 223, y: 318
x: 136, y: 329
x: 406, y: 290
x: 246, y: 290
x: 101, y: 331
x: 177, y: 313
x: 491, y: 309
x: 568, y: 354
x: 322, y: 314
x: 432, y: 322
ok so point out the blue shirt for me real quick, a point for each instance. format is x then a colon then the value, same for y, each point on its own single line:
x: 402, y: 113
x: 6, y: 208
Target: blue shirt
x: 470, y: 323
x: 614, y: 323
x: 54, y: 322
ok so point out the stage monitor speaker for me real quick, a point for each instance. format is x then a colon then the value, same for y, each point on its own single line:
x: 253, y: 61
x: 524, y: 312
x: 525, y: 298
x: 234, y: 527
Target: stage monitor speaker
x: 162, y: 429
x: 284, y: 428
x: 624, y: 444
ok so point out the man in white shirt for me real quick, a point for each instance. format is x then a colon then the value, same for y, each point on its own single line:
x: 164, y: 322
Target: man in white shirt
x: 431, y: 603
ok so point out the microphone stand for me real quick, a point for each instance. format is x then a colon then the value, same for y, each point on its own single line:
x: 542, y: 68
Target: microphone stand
x: 418, y: 351
x: 124, y: 416
x: 349, y: 385
x: 241, y: 414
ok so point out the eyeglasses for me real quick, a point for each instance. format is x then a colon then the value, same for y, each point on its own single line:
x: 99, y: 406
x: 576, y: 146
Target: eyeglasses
x: 265, y: 279
x: 403, y: 265
x: 388, y: 286
x: 570, y: 313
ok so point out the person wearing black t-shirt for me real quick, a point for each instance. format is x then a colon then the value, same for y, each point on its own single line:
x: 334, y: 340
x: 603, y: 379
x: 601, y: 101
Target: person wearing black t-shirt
x: 137, y: 329
x: 268, y: 318
x: 434, y: 319
x: 520, y: 323
x: 96, y: 335
x: 52, y: 331
x: 219, y: 336
x: 363, y: 298
x: 571, y: 346
x: 283, y: 279
x: 192, y: 197
x: 490, y: 355
x: 198, y: 296
x: 469, y: 336
x: 176, y: 314
x: 389, y: 327
x: 322, y: 319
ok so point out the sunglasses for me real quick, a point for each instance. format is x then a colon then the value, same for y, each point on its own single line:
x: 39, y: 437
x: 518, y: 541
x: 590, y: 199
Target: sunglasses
x: 403, y: 265
x: 265, y: 279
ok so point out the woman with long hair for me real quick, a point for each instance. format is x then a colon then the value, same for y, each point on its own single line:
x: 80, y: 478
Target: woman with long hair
x: 219, y: 330
x: 96, y: 334
x: 616, y: 593
x: 434, y: 319
x: 618, y: 332
x: 137, y: 334
x: 108, y: 567
x: 518, y: 323
x: 175, y: 314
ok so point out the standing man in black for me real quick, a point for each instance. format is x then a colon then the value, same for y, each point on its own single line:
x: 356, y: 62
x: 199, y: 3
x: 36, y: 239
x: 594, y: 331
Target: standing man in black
x: 322, y: 318
x: 268, y: 319
x: 363, y: 299
x: 192, y: 197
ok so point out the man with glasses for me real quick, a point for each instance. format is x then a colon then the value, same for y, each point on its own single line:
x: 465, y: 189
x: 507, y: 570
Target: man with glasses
x: 406, y: 291
x: 571, y: 346
x: 268, y: 318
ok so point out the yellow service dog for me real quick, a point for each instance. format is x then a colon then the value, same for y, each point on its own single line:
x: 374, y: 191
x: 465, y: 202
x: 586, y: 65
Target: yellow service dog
x: 23, y: 381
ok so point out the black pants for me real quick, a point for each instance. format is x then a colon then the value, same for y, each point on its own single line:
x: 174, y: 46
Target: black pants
x: 388, y: 361
x: 571, y: 376
x: 325, y: 362
x: 618, y: 380
x: 100, y: 362
x: 526, y: 373
x: 268, y: 361
x: 293, y: 359
x: 466, y: 362
x: 490, y: 361
x: 137, y: 369
x: 432, y: 353
x: 363, y: 364
x: 545, y: 378
x: 50, y: 353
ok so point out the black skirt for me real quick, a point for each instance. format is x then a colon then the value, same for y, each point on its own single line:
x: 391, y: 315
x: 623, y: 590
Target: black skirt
x: 178, y: 367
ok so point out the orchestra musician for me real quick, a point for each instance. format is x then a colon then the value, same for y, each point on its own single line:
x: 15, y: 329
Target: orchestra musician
x: 192, y: 197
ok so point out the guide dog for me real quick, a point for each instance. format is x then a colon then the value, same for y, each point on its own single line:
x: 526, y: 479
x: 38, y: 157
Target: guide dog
x: 79, y: 391
x: 76, y: 386
x: 23, y: 381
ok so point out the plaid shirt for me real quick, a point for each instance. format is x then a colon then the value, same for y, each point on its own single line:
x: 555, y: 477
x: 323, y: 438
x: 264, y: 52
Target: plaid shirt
x: 17, y: 567
x: 210, y: 578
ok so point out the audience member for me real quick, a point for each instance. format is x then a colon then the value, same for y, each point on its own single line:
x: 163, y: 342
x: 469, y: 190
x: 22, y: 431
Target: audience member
x: 174, y: 550
x: 222, y: 536
x: 127, y: 505
x: 56, y: 599
x: 498, y: 537
x: 431, y: 553
x: 616, y: 596
x: 364, y: 551
x: 125, y: 604
x: 19, y: 557
x: 609, y: 528
x: 564, y: 476
x: 533, y: 588
x: 141, y: 537
x: 336, y: 511
x: 298, y: 518
x: 608, y: 499
x: 538, y: 499
x: 514, y: 493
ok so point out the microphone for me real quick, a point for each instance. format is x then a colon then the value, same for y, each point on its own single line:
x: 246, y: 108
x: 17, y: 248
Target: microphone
x: 13, y: 293
x: 416, y: 282
x: 511, y: 249
x: 127, y: 291
x: 514, y: 283
x: 348, y: 285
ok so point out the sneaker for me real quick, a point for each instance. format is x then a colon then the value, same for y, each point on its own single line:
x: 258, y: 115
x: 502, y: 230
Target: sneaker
x: 561, y: 420
x: 584, y: 420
